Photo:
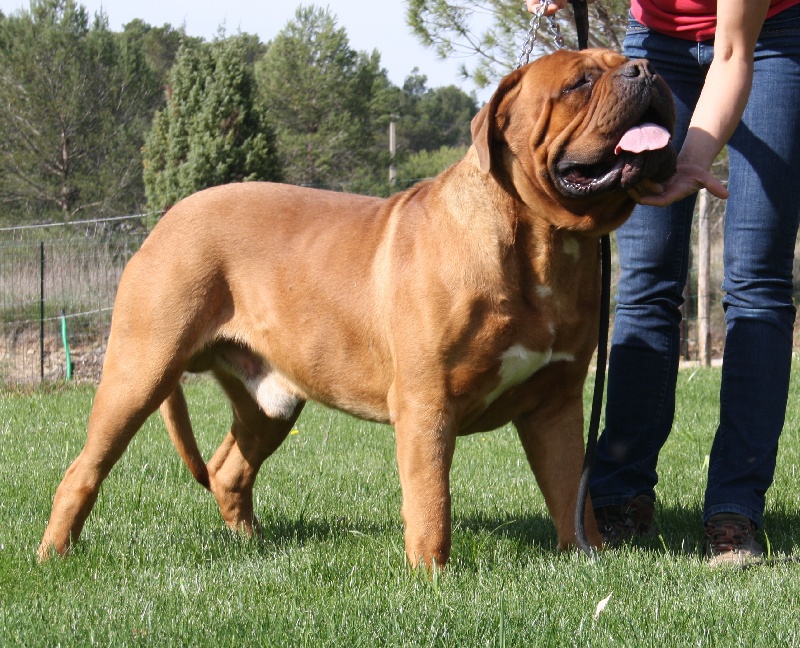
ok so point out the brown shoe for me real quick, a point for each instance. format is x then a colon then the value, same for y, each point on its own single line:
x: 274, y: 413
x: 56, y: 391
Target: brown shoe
x: 731, y: 540
x: 620, y: 524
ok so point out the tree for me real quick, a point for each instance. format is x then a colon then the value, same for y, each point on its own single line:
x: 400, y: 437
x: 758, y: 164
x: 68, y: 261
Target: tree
x: 432, y: 125
x: 159, y: 45
x: 431, y: 118
x: 426, y: 164
x: 212, y: 131
x: 320, y: 94
x: 76, y: 101
x: 494, y: 31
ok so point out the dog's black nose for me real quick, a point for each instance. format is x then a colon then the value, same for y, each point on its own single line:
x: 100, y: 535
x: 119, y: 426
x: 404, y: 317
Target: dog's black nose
x: 637, y: 68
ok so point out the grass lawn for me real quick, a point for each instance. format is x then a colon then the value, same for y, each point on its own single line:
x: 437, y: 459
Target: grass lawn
x: 156, y: 567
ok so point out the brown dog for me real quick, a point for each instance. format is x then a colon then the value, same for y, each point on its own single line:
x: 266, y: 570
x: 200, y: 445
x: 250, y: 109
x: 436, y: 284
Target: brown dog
x: 461, y: 304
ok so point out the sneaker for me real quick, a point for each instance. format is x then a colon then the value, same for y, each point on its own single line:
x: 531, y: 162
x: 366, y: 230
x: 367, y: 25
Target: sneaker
x: 731, y: 540
x: 620, y: 524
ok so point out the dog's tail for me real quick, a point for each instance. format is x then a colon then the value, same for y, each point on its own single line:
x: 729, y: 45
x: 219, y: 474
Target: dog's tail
x: 175, y: 413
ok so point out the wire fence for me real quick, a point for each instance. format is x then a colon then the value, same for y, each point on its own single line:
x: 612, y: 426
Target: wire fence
x: 58, y: 283
x: 57, y: 288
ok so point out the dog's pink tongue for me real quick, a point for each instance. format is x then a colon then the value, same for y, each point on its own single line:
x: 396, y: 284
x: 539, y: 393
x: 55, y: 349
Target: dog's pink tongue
x: 644, y: 137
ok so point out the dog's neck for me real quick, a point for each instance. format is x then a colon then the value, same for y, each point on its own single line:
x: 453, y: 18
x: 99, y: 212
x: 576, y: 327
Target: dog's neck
x: 545, y: 256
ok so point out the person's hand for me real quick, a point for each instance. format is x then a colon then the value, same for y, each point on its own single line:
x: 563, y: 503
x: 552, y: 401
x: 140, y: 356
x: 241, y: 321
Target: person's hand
x: 688, y: 179
x: 552, y: 6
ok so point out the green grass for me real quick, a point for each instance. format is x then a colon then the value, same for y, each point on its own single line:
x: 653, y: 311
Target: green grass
x: 156, y: 567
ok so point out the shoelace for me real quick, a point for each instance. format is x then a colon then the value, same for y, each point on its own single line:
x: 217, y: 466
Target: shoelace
x: 727, y: 536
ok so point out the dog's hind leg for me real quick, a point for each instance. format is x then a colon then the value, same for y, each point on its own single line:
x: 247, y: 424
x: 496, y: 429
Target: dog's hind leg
x: 123, y: 402
x: 175, y: 413
x: 253, y: 437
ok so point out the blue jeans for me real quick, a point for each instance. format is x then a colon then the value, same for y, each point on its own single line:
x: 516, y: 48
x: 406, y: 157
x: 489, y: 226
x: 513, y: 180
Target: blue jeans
x: 761, y: 223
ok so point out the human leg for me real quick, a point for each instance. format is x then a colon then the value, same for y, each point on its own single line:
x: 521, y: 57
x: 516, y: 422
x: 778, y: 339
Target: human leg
x: 761, y: 226
x: 654, y: 250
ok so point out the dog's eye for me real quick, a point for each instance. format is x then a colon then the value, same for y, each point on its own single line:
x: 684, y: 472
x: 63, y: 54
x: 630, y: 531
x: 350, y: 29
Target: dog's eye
x: 584, y: 82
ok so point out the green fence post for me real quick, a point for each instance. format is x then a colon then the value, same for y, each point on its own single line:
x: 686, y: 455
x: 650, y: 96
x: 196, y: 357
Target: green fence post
x: 65, y: 340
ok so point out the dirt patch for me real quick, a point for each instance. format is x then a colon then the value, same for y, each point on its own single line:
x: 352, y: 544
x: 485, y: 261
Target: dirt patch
x: 21, y: 357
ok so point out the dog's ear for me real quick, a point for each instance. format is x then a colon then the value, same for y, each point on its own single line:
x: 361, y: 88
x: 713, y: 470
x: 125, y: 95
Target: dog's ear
x: 485, y: 122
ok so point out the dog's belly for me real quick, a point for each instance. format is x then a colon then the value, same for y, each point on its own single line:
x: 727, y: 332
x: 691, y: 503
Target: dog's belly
x: 275, y: 394
x: 278, y: 394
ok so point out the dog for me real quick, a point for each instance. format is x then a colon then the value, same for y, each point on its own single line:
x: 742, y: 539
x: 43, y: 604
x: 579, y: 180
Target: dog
x: 463, y: 303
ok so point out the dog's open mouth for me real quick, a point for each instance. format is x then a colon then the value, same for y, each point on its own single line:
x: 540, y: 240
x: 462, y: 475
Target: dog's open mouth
x: 644, y: 151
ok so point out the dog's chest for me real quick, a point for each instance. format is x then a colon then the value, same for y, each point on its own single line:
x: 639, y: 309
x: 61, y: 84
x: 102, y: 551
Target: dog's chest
x: 555, y: 324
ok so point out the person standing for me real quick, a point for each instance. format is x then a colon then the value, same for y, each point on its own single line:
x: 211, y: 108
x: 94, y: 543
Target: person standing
x: 734, y: 70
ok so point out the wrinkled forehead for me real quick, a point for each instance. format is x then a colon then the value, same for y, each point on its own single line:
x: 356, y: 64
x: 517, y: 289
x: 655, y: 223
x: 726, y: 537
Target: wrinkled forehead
x: 603, y: 58
x: 562, y: 65
x: 606, y: 58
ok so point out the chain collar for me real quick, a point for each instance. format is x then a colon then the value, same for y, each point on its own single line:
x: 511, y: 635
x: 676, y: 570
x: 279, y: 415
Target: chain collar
x: 533, y: 29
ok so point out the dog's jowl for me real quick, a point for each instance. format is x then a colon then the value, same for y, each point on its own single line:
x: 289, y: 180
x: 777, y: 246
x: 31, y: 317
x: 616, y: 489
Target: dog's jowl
x: 463, y: 303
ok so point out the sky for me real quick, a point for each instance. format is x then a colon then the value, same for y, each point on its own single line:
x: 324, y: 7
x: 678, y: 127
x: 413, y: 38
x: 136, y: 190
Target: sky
x: 369, y: 25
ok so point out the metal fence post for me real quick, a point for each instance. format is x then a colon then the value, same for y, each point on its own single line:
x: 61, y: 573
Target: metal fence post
x: 41, y: 310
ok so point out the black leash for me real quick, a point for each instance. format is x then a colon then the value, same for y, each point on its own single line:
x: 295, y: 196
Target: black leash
x: 580, y: 11
x: 597, y: 398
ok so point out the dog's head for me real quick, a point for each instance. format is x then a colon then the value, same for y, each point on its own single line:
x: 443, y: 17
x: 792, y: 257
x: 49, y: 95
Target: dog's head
x: 572, y: 131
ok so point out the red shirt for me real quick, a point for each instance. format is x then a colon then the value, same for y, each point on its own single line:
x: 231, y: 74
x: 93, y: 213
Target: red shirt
x: 694, y: 20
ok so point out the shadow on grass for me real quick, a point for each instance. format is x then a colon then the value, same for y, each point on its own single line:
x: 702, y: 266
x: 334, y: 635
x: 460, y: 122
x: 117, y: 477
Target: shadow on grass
x: 278, y: 533
x: 531, y: 529
x: 480, y: 538
x: 680, y: 531
x: 476, y: 538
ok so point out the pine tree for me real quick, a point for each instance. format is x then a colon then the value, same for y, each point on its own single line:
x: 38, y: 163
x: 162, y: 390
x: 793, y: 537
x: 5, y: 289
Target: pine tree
x: 212, y: 131
x: 489, y: 33
x: 320, y: 93
x: 76, y: 100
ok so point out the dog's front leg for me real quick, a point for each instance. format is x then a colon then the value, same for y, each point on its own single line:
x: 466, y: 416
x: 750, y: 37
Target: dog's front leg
x: 424, y: 456
x: 553, y: 440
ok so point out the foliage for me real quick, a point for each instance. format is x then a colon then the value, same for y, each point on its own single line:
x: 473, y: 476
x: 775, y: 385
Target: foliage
x: 430, y: 118
x: 332, y: 106
x: 159, y: 45
x: 432, y: 125
x: 76, y: 101
x: 156, y: 566
x: 87, y: 128
x: 319, y: 93
x: 444, y: 116
x: 426, y: 164
x: 494, y: 31
x: 212, y: 131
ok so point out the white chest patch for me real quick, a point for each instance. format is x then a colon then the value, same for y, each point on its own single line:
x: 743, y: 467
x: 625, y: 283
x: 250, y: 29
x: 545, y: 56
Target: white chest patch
x: 519, y: 364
